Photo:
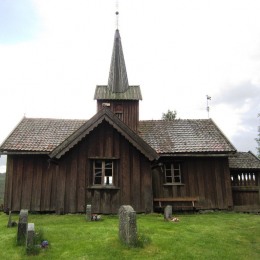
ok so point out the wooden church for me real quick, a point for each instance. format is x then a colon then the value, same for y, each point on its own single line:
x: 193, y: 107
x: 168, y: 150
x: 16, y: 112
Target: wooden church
x: 114, y: 159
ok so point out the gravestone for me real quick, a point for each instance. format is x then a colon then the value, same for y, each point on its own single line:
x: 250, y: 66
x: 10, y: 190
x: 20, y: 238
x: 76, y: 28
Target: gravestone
x: 9, y: 224
x: 30, y: 235
x: 22, y: 227
x: 88, y: 212
x: 168, y: 212
x: 127, y: 225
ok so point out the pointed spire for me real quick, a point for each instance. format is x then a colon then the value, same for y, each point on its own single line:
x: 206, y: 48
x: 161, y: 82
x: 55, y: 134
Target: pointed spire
x: 117, y: 81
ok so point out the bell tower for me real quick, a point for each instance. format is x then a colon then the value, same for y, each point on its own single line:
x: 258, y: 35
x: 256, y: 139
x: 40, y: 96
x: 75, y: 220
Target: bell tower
x: 118, y: 95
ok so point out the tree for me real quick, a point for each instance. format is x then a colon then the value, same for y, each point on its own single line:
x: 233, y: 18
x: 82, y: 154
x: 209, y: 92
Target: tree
x: 170, y: 115
x: 258, y: 140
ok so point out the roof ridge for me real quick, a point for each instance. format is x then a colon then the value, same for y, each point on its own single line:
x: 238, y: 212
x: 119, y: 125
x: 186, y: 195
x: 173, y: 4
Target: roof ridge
x: 52, y: 118
x: 177, y: 119
x: 107, y: 115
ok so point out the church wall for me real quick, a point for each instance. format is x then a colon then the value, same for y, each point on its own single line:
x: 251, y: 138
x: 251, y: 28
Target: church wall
x: 126, y: 110
x: 207, y: 178
x: 66, y: 185
x: 29, y: 183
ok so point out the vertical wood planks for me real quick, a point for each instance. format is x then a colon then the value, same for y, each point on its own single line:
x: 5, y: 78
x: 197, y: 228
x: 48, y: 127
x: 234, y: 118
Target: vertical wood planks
x: 9, y: 183
x: 37, y: 185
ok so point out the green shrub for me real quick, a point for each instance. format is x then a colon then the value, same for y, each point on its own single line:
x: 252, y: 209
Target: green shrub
x: 37, y: 243
x: 142, y: 240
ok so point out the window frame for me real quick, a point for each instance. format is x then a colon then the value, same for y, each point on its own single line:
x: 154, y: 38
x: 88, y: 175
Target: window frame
x: 105, y: 173
x: 172, y: 174
x: 118, y: 110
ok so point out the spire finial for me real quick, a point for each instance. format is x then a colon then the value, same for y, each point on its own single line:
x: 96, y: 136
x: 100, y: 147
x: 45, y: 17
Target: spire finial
x: 117, y: 15
x: 208, y: 98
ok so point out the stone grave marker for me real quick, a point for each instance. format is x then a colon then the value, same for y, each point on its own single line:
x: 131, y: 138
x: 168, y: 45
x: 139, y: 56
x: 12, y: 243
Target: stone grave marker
x: 9, y: 224
x: 30, y: 235
x: 168, y: 212
x: 88, y: 212
x: 22, y: 227
x: 127, y: 225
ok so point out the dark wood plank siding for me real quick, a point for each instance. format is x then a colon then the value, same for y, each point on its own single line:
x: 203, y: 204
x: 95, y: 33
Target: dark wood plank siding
x: 67, y: 185
x: 17, y: 183
x: 71, y: 183
x: 81, y: 179
x: 60, y: 189
x: 207, y: 178
x: 37, y: 185
x: 8, y: 185
x: 243, y: 197
x: 27, y: 177
x: 246, y: 193
x: 129, y: 112
x: 135, y: 177
x: 46, y: 186
x: 124, y: 172
x: 54, y: 183
x: 27, y: 187
x: 146, y: 185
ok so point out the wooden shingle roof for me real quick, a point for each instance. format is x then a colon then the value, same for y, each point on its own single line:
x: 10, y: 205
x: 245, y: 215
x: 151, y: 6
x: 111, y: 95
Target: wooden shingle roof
x: 108, y: 116
x: 39, y: 135
x: 185, y: 136
x: 244, y: 160
x: 104, y: 93
x: 55, y: 137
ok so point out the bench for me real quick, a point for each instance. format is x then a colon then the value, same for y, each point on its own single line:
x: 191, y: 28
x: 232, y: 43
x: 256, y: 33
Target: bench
x: 192, y: 200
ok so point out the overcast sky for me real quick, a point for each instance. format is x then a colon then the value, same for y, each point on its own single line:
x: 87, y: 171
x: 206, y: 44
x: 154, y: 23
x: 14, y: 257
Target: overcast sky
x: 54, y: 52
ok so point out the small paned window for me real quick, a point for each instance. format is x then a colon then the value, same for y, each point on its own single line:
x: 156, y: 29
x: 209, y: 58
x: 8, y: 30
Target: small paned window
x: 119, y: 110
x: 172, y: 172
x: 103, y: 172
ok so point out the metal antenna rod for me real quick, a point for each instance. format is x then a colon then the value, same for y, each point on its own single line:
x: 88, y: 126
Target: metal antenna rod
x: 117, y: 14
x: 208, y: 98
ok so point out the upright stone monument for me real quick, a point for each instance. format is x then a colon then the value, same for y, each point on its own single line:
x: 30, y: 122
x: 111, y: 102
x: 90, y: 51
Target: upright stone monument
x: 88, y: 212
x: 127, y: 225
x: 22, y: 227
x: 30, y: 235
x: 9, y: 224
x: 168, y: 212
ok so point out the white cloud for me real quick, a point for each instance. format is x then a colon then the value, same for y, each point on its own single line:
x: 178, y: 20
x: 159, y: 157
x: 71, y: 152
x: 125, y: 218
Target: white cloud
x: 178, y: 51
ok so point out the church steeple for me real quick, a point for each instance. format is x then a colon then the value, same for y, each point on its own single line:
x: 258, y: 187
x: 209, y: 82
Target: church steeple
x: 118, y: 81
x: 117, y: 95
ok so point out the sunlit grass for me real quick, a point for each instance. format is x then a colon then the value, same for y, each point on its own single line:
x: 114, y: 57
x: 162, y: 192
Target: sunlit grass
x: 196, y: 236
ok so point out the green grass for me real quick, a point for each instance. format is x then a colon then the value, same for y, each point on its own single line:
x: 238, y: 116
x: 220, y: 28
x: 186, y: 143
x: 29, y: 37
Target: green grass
x: 196, y: 236
x: 2, y: 188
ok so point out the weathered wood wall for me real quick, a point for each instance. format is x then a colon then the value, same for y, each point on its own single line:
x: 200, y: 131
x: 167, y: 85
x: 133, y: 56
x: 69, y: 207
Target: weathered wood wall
x: 127, y: 111
x: 66, y: 186
x: 206, y: 178
x: 246, y: 196
x: 246, y: 189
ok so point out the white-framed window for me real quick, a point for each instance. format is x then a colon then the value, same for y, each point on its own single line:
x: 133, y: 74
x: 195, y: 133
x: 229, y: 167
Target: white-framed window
x: 103, y: 172
x: 172, y: 172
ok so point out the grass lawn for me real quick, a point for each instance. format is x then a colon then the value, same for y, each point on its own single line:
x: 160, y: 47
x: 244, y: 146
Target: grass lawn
x: 196, y: 236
